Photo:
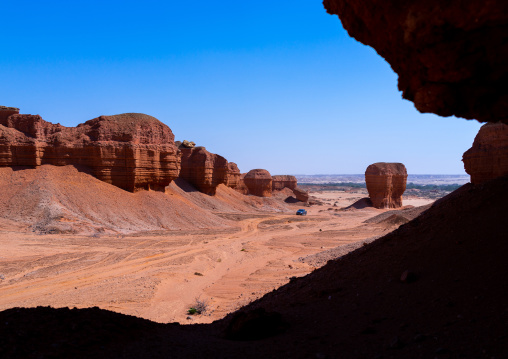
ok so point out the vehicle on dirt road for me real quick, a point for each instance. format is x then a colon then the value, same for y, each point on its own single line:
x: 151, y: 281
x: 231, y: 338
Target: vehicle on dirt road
x: 301, y: 212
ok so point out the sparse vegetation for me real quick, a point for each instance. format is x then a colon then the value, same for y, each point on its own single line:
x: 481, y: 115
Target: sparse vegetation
x: 199, y: 307
x: 198, y: 274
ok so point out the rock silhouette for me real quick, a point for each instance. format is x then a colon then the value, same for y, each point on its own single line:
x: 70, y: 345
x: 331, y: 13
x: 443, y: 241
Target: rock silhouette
x: 450, y: 56
x: 488, y: 157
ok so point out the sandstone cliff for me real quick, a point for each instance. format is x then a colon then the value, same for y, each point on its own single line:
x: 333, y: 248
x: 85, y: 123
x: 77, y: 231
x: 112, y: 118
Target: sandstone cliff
x: 130, y: 151
x: 204, y: 170
x: 283, y: 181
x: 233, y: 177
x: 259, y: 182
x: 450, y: 55
x: 241, y: 186
x: 6, y: 112
x: 386, y: 182
x: 488, y: 158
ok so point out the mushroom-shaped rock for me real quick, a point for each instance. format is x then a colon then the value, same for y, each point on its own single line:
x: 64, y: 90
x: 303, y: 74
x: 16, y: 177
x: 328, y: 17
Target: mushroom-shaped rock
x: 450, y: 56
x: 233, y: 175
x: 132, y: 151
x: 488, y: 157
x: 386, y: 182
x: 204, y: 170
x: 280, y: 182
x: 301, y: 194
x: 259, y: 182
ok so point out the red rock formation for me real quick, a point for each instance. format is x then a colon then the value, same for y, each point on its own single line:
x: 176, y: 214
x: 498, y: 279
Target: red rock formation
x: 301, y: 194
x: 450, y: 55
x: 130, y: 151
x: 488, y: 158
x: 259, y: 182
x: 241, y: 187
x: 204, y: 170
x: 6, y: 112
x: 386, y: 182
x: 233, y: 175
x: 283, y: 181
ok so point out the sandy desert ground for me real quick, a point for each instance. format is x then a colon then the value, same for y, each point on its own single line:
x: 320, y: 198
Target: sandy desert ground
x: 159, y: 275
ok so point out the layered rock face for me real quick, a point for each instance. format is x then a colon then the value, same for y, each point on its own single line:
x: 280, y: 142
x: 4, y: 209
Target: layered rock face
x: 204, y: 170
x: 131, y: 151
x: 301, y: 194
x: 386, y: 182
x: 450, y: 55
x: 234, y: 174
x: 285, y: 181
x: 241, y: 186
x: 259, y: 182
x: 488, y: 158
x: 6, y: 112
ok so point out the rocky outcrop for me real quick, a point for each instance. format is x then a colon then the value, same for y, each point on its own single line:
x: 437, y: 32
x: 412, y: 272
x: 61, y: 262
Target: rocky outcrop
x: 131, y: 151
x: 488, y: 158
x: 6, y: 112
x: 241, y: 186
x: 283, y: 181
x: 301, y: 194
x: 386, y: 182
x: 450, y: 55
x: 204, y: 170
x: 259, y: 182
x: 233, y: 175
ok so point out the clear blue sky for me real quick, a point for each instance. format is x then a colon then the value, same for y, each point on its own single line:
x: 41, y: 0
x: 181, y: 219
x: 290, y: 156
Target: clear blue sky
x: 267, y: 84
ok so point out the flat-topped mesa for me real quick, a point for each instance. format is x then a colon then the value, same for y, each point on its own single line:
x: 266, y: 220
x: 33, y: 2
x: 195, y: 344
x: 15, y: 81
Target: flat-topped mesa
x: 233, y: 177
x: 259, y: 182
x: 488, y: 157
x: 131, y: 151
x: 450, y: 55
x: 202, y: 169
x: 386, y: 182
x: 280, y: 182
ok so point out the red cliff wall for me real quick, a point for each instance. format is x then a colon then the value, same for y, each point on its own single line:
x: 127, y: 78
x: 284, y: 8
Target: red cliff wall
x: 204, y: 170
x: 130, y: 151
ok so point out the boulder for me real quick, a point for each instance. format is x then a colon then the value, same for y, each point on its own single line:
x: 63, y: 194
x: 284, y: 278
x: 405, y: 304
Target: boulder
x: 204, y: 170
x: 233, y: 175
x: 488, y: 157
x: 131, y: 151
x: 386, y: 182
x: 301, y: 194
x: 283, y: 181
x: 188, y: 144
x: 259, y: 182
x: 450, y: 55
